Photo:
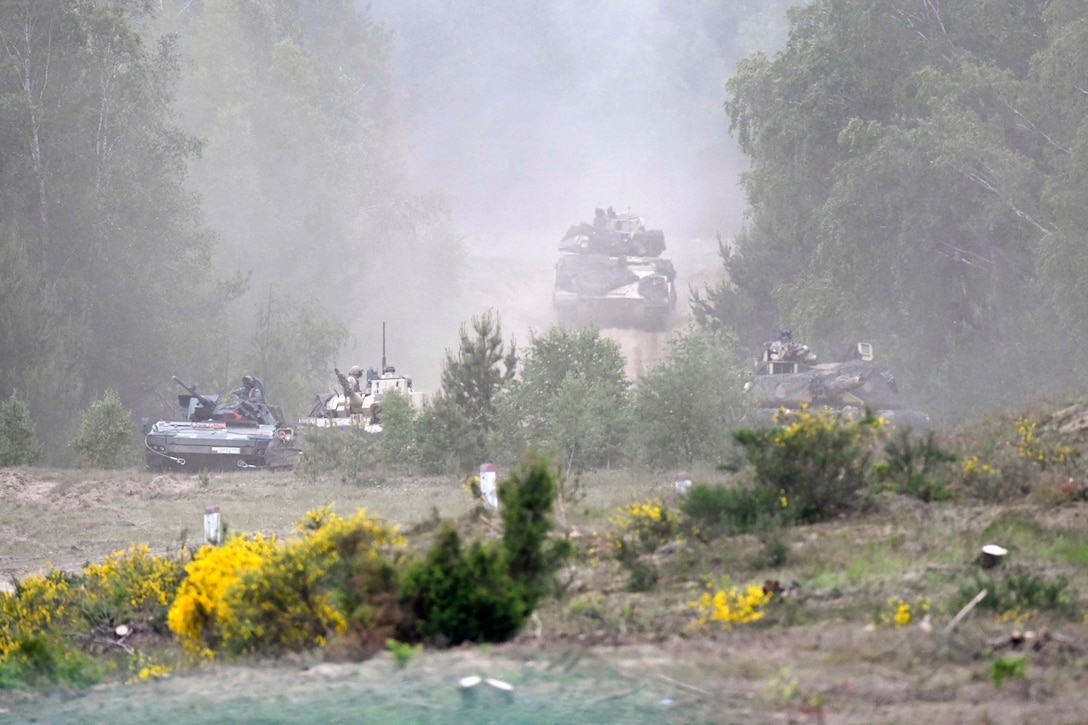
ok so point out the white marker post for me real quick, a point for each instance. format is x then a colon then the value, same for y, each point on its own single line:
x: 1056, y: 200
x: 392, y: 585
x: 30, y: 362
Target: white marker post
x: 488, y: 488
x: 211, y: 525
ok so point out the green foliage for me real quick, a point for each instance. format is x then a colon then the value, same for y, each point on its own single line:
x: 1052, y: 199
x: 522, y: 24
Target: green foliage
x: 526, y: 498
x: 348, y: 452
x: 484, y: 592
x: 816, y: 461
x: 912, y: 465
x: 397, y: 442
x: 461, y: 595
x: 106, y: 434
x: 685, y: 408
x: 1020, y: 593
x: 1002, y: 668
x: 572, y: 397
x: 38, y: 661
x: 456, y: 429
x: 18, y: 446
x: 714, y: 511
x: 402, y: 652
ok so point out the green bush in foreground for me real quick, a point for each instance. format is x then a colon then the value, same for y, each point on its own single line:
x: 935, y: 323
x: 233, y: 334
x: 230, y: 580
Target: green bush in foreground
x: 484, y: 592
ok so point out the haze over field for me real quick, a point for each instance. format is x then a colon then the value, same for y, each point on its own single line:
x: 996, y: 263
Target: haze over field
x: 529, y: 115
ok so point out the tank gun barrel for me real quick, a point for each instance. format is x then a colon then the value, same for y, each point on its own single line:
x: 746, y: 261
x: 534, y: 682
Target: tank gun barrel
x: 191, y: 389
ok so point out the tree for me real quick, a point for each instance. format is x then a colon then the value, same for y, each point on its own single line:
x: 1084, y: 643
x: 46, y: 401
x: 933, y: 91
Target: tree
x: 572, y: 396
x: 462, y: 417
x: 109, y: 262
x: 397, y: 443
x: 686, y: 408
x: 105, y: 437
x: 296, y: 343
x: 18, y: 446
x: 915, y: 182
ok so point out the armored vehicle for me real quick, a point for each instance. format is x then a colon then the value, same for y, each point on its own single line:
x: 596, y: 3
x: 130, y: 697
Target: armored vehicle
x: 215, y: 434
x: 348, y: 407
x: 611, y: 272
x: 849, y: 385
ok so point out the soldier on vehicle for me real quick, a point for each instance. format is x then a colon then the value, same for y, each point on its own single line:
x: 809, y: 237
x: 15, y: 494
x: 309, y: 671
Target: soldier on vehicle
x: 251, y: 391
x: 784, y: 348
x: 355, y: 375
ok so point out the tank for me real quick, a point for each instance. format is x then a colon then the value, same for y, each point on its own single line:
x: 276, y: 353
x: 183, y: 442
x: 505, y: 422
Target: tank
x: 215, y: 433
x: 611, y: 272
x: 343, y: 407
x: 850, y: 384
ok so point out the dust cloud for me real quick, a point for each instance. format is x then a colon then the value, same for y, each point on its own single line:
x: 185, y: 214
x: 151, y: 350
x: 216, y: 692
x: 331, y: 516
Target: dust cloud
x: 529, y: 115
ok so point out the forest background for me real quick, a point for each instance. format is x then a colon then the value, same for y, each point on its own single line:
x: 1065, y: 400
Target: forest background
x: 211, y: 188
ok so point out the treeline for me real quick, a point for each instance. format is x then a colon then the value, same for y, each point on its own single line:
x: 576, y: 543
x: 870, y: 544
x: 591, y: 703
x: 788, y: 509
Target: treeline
x: 198, y: 189
x: 917, y: 180
x: 565, y: 395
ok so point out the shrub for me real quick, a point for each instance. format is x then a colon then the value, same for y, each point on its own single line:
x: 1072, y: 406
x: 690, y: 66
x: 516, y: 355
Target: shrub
x: 484, y: 592
x: 332, y: 580
x: 714, y: 511
x: 726, y: 606
x: 200, y: 608
x: 1002, y: 668
x: 18, y: 446
x: 643, y: 527
x: 48, y: 617
x: 105, y: 435
x: 132, y: 584
x: 912, y: 465
x: 349, y: 452
x: 817, y: 461
x: 460, y: 595
x: 1019, y: 594
x: 254, y: 595
x: 527, y: 498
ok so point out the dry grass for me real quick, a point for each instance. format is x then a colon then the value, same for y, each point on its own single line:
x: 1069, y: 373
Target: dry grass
x: 607, y: 653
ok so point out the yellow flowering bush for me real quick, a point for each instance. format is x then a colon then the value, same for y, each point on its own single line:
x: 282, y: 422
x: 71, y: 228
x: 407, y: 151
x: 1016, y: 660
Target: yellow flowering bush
x: 259, y: 595
x: 643, y: 525
x: 334, y: 577
x: 132, y: 581
x: 39, y: 604
x: 727, y: 606
x: 199, y: 610
x: 816, y: 461
x: 900, y: 613
x: 1032, y: 448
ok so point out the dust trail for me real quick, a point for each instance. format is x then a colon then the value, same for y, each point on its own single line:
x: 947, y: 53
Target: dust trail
x: 520, y: 290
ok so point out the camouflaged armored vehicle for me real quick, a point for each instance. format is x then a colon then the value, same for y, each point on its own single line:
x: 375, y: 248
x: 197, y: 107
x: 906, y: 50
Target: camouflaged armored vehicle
x: 849, y: 385
x: 214, y: 434
x: 611, y: 272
